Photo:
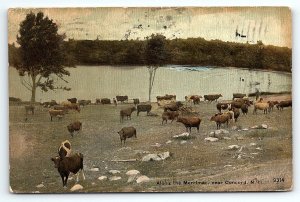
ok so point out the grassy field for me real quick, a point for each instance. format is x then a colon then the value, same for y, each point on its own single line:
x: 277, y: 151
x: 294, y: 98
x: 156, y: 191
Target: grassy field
x: 196, y: 165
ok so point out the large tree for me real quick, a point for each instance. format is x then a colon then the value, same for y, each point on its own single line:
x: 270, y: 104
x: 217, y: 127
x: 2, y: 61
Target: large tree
x: 41, y: 54
x: 155, y: 56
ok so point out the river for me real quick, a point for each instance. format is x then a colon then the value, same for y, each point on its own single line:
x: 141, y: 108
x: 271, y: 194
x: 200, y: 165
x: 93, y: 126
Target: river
x: 91, y: 82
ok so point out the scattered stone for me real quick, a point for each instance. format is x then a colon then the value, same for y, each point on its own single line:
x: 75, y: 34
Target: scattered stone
x: 40, y: 186
x: 252, y: 144
x: 124, y: 148
x: 211, y: 139
x: 262, y: 126
x: 156, y: 145
x: 94, y: 169
x: 142, y: 179
x: 227, y: 166
x: 113, y: 172
x: 254, y: 153
x: 234, y: 147
x: 132, y: 178
x: 76, y: 187
x: 183, y: 135
x: 102, y: 178
x: 212, y: 133
x: 132, y: 172
x: 226, y: 138
x: 258, y: 148
x: 224, y: 131
x: 156, y: 157
x: 217, y: 132
x: 245, y: 129
x: 114, y: 178
x: 183, y: 142
x: 254, y: 127
x: 239, y: 138
x: 169, y: 142
x: 93, y: 183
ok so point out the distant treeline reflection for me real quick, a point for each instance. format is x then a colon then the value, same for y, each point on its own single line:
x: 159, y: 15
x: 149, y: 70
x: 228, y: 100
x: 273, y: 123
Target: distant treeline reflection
x: 191, y: 51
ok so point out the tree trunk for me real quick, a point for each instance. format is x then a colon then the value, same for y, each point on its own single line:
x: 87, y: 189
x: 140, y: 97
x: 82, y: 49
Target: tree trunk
x: 150, y: 82
x: 33, y: 90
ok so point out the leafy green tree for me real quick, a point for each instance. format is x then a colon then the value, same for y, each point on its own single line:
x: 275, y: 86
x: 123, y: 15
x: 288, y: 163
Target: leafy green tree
x: 41, y: 54
x: 155, y: 56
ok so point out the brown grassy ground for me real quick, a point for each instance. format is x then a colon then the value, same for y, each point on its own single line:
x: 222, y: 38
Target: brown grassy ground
x: 33, y: 142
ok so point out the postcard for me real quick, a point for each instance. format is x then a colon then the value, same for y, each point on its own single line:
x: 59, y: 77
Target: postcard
x: 150, y: 99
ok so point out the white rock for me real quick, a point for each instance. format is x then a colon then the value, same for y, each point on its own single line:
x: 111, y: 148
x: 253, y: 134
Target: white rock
x: 245, y: 129
x: 254, y: 153
x: 113, y: 172
x: 76, y: 187
x: 234, y: 146
x: 227, y: 166
x: 252, y: 144
x: 169, y: 142
x: 212, y: 133
x: 94, y: 169
x: 40, y: 186
x: 132, y: 172
x: 164, y: 155
x: 264, y: 126
x: 102, y: 178
x: 254, y: 127
x: 186, y: 134
x: 142, y: 179
x: 226, y: 138
x: 224, y: 131
x: 151, y: 157
x: 217, y: 132
x: 114, y: 178
x: 183, y: 142
x: 211, y: 139
x: 258, y: 148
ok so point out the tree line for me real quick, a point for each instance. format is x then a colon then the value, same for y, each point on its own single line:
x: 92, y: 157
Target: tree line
x: 191, y: 51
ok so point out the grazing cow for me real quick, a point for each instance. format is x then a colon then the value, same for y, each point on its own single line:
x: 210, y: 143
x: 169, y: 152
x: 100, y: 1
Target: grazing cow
x: 212, y: 97
x: 143, y: 108
x: 173, y: 106
x: 75, y: 126
x: 72, y: 100
x: 84, y: 102
x: 261, y: 106
x: 126, y: 112
x: 29, y: 108
x: 122, y: 98
x: 221, y: 118
x: 136, y: 101
x: 127, y: 132
x: 60, y: 107
x: 166, y: 97
x: 244, y: 109
x: 72, y: 106
x: 193, y: 98
x: 169, y: 115
x: 56, y: 113
x: 236, y: 112
x: 105, y: 101
x: 238, y: 95
x: 284, y: 104
x: 222, y: 106
x: 65, y: 149
x: 49, y: 104
x: 189, y: 122
x: 115, y: 102
x: 67, y: 165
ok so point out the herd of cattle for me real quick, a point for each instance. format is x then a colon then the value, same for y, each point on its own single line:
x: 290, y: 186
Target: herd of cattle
x: 172, y: 110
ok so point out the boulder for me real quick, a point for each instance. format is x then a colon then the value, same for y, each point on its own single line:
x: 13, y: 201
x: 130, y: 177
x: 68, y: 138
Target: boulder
x: 102, y: 178
x: 226, y: 138
x: 142, y: 179
x: 132, y: 172
x: 76, y: 187
x: 252, y: 144
x: 169, y: 142
x: 183, y: 142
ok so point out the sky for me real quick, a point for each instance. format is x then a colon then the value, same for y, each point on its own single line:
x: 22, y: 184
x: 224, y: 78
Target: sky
x: 271, y: 25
